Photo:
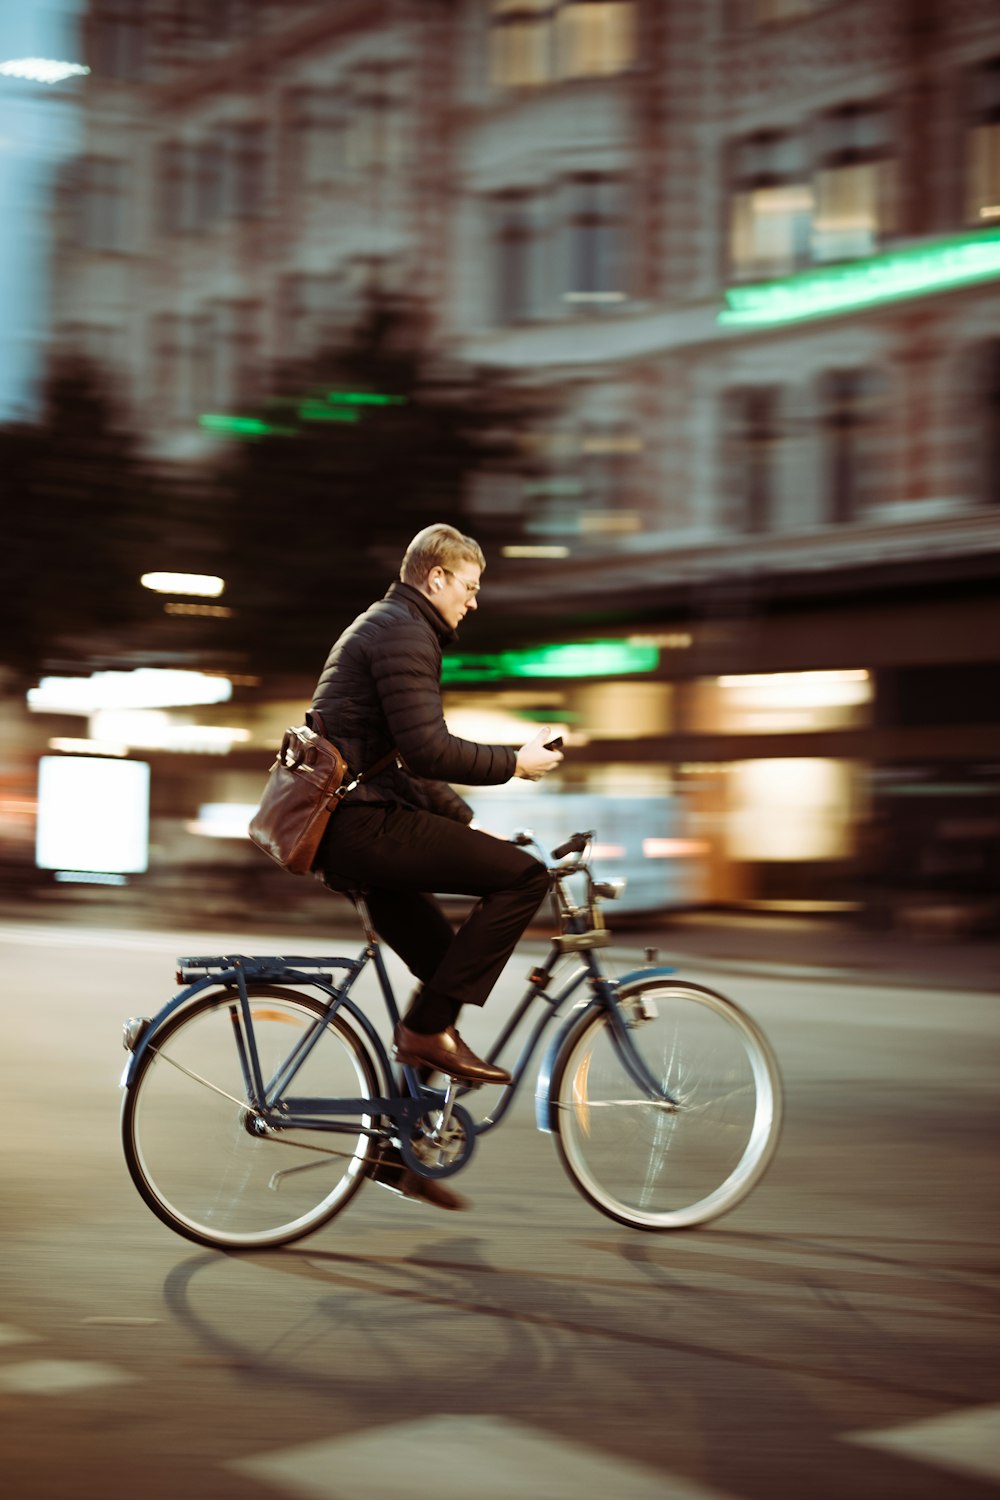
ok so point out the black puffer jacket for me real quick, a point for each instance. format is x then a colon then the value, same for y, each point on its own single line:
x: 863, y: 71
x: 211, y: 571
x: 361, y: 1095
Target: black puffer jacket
x: 381, y: 687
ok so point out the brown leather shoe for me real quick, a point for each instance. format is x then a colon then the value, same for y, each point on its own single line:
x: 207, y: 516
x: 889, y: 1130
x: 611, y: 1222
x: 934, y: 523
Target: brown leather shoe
x: 445, y: 1051
x: 393, y: 1173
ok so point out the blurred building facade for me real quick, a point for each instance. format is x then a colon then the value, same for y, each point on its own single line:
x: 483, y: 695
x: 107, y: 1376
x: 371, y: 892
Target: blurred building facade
x: 754, y: 245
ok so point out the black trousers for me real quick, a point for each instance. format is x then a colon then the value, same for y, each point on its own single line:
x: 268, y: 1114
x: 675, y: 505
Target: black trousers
x: 398, y: 857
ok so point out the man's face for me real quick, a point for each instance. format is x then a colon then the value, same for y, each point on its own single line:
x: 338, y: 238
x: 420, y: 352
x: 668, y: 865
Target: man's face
x: 453, y: 593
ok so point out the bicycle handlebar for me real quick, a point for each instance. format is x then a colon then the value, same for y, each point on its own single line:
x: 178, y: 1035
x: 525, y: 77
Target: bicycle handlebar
x: 575, y: 844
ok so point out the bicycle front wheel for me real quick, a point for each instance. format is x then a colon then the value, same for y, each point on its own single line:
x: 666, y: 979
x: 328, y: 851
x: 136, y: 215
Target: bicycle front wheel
x: 211, y: 1166
x: 681, y: 1157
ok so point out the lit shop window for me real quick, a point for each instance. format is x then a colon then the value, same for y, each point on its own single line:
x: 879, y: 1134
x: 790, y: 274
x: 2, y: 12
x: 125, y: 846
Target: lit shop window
x: 782, y: 702
x: 982, y: 196
x: 535, y: 42
x: 794, y: 809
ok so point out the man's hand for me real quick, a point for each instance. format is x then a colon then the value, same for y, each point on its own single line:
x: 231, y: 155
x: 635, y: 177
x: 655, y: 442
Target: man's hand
x: 533, y: 760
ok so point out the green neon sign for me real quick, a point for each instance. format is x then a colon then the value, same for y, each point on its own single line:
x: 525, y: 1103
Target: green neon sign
x: 242, y: 427
x: 319, y: 411
x: 364, y: 398
x: 571, y: 659
x: 335, y: 406
x: 909, y: 272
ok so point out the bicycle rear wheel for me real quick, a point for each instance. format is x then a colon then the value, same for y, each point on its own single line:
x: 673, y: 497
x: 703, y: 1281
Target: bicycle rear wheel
x: 204, y: 1161
x: 641, y: 1160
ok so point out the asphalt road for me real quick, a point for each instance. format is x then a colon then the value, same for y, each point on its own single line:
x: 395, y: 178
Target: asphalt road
x: 836, y: 1335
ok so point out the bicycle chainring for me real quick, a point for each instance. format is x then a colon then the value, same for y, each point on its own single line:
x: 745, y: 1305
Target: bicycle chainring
x: 430, y: 1153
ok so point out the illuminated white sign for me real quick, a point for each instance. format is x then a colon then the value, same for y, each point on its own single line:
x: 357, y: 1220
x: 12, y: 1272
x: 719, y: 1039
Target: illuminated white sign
x: 93, y: 814
x: 146, y: 687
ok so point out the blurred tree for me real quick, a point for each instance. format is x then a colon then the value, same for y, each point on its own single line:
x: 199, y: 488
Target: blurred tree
x: 78, y: 515
x: 332, y: 476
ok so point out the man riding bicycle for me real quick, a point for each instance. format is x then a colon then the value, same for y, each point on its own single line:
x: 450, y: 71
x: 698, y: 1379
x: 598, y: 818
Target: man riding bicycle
x: 405, y: 833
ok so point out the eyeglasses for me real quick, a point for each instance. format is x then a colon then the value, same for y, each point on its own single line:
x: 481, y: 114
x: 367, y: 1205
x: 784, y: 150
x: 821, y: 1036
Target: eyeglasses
x: 470, y: 588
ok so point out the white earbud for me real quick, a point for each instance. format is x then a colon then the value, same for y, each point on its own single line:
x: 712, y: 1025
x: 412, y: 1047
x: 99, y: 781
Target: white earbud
x: 438, y: 584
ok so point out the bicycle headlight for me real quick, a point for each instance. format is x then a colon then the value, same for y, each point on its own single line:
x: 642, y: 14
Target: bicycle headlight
x: 610, y: 890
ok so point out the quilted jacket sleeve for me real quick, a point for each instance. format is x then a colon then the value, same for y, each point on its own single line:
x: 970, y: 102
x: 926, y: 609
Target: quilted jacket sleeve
x: 406, y: 672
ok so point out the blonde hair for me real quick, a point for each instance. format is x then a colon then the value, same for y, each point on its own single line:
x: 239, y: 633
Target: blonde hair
x: 438, y: 546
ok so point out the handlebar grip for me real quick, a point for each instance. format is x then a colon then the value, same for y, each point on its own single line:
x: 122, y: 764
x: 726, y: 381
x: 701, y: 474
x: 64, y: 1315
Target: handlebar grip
x: 575, y: 844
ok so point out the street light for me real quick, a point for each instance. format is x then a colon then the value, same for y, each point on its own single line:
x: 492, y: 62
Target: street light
x: 41, y: 69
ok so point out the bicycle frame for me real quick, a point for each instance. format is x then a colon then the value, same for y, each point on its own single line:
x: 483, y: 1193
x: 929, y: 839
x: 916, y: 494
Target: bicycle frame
x: 404, y: 1107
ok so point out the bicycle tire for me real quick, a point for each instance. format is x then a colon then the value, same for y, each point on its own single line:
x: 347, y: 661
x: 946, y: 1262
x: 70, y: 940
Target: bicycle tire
x: 193, y: 1148
x: 655, y: 1167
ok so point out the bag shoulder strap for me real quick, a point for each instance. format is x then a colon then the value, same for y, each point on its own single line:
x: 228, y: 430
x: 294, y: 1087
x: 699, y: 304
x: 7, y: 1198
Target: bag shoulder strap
x: 314, y: 721
x: 379, y: 765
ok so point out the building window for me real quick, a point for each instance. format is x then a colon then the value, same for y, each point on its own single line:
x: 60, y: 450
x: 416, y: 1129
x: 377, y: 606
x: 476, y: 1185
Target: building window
x: 786, y: 213
x: 609, y: 466
x: 171, y: 185
x: 316, y: 138
x: 116, y: 40
x: 312, y: 307
x: 521, y: 43
x: 771, y: 206
x: 752, y: 436
x: 221, y: 175
x: 518, y: 258
x: 186, y: 368
x: 855, y: 185
x: 205, y: 163
x: 101, y: 222
x: 535, y: 42
x: 245, y: 171
x: 202, y: 363
x: 374, y: 139
x: 849, y: 408
x: 166, y: 347
x: 982, y: 173
x: 595, y: 38
x: 594, y: 242
x: 237, y: 353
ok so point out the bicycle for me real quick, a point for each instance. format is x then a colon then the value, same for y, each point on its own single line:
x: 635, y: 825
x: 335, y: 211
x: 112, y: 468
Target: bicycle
x: 664, y: 1098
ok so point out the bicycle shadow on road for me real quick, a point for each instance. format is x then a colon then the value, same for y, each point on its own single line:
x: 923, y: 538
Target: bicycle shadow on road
x: 831, y: 1307
x: 739, y: 1359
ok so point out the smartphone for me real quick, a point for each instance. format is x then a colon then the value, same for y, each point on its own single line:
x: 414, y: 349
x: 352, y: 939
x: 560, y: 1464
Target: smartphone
x: 555, y: 744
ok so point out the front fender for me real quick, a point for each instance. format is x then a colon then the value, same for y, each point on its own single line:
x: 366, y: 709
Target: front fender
x: 659, y: 971
x: 545, y: 1104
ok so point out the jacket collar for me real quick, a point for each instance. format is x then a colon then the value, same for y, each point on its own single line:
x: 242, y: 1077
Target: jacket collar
x: 413, y: 597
